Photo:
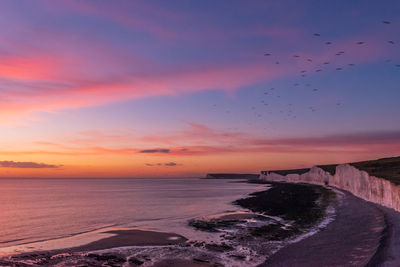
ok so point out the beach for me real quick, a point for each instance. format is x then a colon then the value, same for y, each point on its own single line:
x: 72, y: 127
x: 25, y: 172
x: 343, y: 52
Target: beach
x: 263, y: 223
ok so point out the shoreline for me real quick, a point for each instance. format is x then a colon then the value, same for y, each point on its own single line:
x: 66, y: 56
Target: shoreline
x: 132, y: 237
x: 267, y: 228
x: 363, y: 234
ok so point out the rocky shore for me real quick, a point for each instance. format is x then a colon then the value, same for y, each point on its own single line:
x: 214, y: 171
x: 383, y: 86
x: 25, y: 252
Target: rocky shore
x: 270, y: 220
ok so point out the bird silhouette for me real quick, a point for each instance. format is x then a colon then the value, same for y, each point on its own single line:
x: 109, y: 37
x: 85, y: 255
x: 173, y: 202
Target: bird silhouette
x: 316, y: 67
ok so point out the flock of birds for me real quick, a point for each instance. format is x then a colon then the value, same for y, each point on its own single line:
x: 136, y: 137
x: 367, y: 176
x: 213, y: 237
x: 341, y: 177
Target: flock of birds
x: 260, y: 111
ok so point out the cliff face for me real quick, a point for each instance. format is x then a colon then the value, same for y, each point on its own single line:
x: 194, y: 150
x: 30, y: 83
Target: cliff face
x: 349, y: 178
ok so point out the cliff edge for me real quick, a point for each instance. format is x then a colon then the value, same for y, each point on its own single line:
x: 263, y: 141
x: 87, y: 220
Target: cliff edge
x: 356, y: 178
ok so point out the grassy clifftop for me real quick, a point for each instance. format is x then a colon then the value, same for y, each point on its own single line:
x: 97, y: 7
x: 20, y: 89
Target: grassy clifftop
x: 388, y: 168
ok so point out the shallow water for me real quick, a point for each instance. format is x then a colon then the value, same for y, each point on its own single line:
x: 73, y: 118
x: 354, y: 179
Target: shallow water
x: 46, y: 209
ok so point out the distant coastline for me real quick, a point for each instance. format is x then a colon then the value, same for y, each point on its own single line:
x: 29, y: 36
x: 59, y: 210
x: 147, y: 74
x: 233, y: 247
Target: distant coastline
x: 232, y: 176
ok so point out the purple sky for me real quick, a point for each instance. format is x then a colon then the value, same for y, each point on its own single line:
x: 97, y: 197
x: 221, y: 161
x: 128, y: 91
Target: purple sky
x: 207, y: 86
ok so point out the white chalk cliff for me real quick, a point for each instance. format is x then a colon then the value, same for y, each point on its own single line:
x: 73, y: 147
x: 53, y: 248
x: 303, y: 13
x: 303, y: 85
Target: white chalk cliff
x: 349, y: 178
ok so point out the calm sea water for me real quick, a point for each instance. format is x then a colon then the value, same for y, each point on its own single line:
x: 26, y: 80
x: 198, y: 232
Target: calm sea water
x: 44, y: 209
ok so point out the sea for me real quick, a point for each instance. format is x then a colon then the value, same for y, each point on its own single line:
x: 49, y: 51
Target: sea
x: 49, y: 213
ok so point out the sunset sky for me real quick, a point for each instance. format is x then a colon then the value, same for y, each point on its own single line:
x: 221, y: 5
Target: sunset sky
x: 183, y: 88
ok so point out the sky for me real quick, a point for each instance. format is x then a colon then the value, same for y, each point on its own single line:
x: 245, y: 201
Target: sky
x: 184, y: 88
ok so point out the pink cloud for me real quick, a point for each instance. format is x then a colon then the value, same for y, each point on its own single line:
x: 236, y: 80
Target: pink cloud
x: 48, y: 81
x: 97, y: 93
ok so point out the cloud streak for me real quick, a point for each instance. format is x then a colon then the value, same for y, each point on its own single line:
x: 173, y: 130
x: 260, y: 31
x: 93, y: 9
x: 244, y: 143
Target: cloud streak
x: 168, y: 164
x: 27, y: 165
x: 157, y: 150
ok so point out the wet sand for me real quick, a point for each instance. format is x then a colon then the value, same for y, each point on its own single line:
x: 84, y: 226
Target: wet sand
x: 126, y: 238
x: 90, y: 257
x: 357, y: 237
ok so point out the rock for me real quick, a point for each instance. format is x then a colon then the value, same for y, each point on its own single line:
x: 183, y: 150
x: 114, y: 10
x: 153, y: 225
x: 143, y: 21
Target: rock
x: 134, y: 261
x: 218, y: 248
x: 200, y: 260
x: 111, y: 259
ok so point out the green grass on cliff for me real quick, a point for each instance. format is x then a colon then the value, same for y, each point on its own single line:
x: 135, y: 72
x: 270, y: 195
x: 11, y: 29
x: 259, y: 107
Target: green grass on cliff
x: 387, y: 168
